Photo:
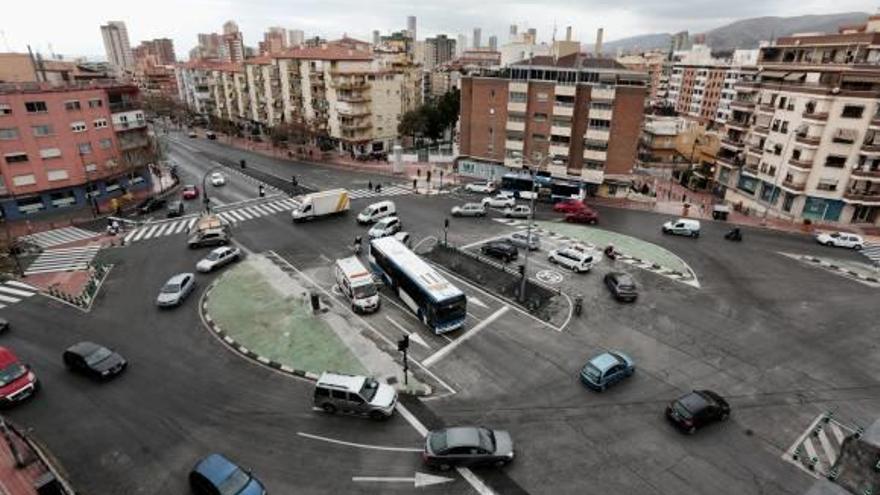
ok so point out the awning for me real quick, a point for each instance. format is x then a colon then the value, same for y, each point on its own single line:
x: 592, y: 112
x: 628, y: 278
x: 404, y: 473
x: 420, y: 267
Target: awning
x: 858, y: 78
x: 795, y: 76
x: 848, y: 135
x: 772, y: 74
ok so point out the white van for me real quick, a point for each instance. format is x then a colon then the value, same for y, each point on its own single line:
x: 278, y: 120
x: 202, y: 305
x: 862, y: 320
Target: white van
x: 376, y: 211
x: 336, y: 392
x: 573, y: 259
x: 683, y: 226
x: 356, y: 283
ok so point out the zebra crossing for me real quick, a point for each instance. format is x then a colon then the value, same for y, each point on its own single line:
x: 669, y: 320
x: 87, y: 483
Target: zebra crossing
x: 58, y: 237
x: 63, y: 259
x: 872, y: 252
x: 818, y: 447
x: 386, y: 191
x: 13, y: 291
x: 237, y: 214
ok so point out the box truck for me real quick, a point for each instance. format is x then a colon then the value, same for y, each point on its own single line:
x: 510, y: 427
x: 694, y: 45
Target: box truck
x: 319, y: 204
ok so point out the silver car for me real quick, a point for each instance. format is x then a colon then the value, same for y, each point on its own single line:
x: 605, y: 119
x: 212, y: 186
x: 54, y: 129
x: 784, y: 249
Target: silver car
x: 469, y: 210
x: 176, y: 289
x: 518, y: 211
x: 520, y: 239
x: 218, y: 257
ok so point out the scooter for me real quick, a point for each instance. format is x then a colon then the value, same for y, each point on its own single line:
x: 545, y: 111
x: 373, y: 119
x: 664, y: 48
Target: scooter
x: 734, y: 235
x: 610, y: 253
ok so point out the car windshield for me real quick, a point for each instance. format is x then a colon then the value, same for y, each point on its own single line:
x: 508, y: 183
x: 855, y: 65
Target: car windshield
x: 171, y: 289
x: 368, y: 211
x: 214, y: 255
x: 438, y: 441
x: 592, y: 372
x: 487, y: 440
x: 368, y: 391
x: 234, y: 484
x: 682, y: 411
x: 11, y: 373
x: 453, y: 310
x: 362, y: 291
x: 99, y: 355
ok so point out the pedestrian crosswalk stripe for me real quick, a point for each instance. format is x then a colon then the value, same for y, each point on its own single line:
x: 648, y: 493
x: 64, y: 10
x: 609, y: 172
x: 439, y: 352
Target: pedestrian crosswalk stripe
x: 226, y: 216
x: 259, y: 211
x: 58, y: 260
x: 140, y: 234
x: 238, y: 215
x: 245, y: 213
x: 14, y: 294
x: 386, y: 191
x: 9, y: 299
x: 60, y: 236
x: 273, y: 207
x: 16, y: 283
x: 252, y: 212
x: 163, y: 228
x: 191, y: 223
x: 151, y: 231
x: 872, y: 252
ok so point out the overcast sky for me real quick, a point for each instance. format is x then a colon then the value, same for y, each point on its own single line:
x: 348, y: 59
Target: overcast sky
x: 73, y: 27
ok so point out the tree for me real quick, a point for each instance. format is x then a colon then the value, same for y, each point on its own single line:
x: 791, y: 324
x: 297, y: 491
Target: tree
x: 412, y: 124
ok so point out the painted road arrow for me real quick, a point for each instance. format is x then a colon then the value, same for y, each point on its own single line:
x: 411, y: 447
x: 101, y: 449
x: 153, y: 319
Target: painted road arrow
x: 420, y: 480
x: 412, y: 335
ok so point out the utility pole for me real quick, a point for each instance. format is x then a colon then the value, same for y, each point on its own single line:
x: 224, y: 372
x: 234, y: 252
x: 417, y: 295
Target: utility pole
x: 522, y: 287
x: 445, y: 231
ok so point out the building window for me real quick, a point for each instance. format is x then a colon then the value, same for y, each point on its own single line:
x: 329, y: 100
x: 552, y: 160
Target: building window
x: 111, y: 185
x: 518, y: 97
x: 539, y: 117
x: 516, y: 117
x: 107, y: 143
x: 595, y: 105
x: 54, y: 175
x: 24, y: 180
x: 35, y: 107
x: 599, y: 124
x: 63, y: 199
x: 78, y: 126
x: 85, y: 148
x: 784, y: 127
x: 71, y: 105
x: 5, y: 109
x: 16, y: 157
x: 42, y: 130
x: 49, y: 153
x: 96, y: 103
x: 777, y: 149
x: 100, y: 123
x: 787, y: 201
x: 561, y: 121
x: 844, y: 136
x: 27, y: 206
x: 91, y: 167
x: 8, y: 133
x: 539, y: 138
x: 835, y: 161
x: 852, y: 111
x: 826, y: 185
x: 490, y: 147
x: 542, y: 96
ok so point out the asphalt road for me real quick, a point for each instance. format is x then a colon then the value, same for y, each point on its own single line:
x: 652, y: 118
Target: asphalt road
x: 783, y: 341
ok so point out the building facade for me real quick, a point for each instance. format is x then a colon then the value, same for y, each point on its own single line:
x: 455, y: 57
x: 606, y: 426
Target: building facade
x: 117, y: 46
x: 803, y: 140
x: 69, y: 146
x: 438, y: 51
x: 578, y: 117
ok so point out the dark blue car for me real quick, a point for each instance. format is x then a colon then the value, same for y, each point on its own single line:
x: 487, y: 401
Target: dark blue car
x: 217, y: 475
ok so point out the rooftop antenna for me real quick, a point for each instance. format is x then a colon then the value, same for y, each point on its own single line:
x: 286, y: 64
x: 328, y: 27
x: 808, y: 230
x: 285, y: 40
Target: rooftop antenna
x: 554, y: 31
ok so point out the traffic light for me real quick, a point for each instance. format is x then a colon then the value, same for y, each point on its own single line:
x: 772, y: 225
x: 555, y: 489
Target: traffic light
x: 262, y: 191
x: 429, y: 176
x: 403, y: 344
x: 522, y: 270
x: 445, y: 223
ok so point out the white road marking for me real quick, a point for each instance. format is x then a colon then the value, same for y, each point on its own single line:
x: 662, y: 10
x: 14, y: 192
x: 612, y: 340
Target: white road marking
x: 162, y: 228
x: 15, y: 292
x: 467, y: 335
x: 16, y: 283
x: 140, y: 233
x: 191, y: 223
x: 243, y: 212
x: 838, y: 433
x: 180, y: 226
x: 419, y: 480
x: 237, y: 215
x: 9, y: 299
x: 358, y: 445
x: 830, y: 454
x: 150, y: 231
x: 477, y: 302
x: 412, y: 335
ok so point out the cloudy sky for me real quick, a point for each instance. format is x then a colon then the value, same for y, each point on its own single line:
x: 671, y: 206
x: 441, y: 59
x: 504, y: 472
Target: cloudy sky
x: 72, y: 27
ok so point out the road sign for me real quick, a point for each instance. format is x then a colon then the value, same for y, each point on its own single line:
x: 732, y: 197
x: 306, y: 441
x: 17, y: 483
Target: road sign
x: 419, y: 480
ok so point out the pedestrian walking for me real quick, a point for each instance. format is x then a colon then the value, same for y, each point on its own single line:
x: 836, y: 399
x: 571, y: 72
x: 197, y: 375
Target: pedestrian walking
x: 370, y: 185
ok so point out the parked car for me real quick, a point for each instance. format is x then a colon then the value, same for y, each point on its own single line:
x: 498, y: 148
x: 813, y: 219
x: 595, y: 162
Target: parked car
x: 210, y: 135
x: 218, y: 179
x: 501, y: 200
x: 150, y: 205
x: 469, y: 210
x: 385, y: 227
x: 175, y: 209
x: 517, y: 211
x: 569, y: 206
x: 17, y: 380
x: 521, y: 239
x: 93, y: 360
x: 208, y: 237
x: 192, y: 134
x: 622, y: 286
x: 362, y: 395
x: 840, y: 239
x: 487, y: 187
x: 576, y: 261
x: 467, y: 446
x: 585, y: 215
x: 190, y: 191
x: 606, y: 369
x: 176, y: 289
x: 697, y: 409
x: 682, y: 226
x: 218, y: 258
x: 502, y: 250
x: 217, y: 475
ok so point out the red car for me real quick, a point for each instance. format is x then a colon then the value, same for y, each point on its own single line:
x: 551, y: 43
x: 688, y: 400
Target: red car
x: 584, y: 215
x: 190, y: 192
x: 17, y: 381
x: 569, y: 206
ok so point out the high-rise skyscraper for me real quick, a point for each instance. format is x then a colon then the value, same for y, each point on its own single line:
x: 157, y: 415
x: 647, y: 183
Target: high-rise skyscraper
x: 376, y: 37
x: 512, y: 35
x: 117, y: 46
x: 493, y: 42
x: 230, y: 27
x: 438, y: 51
x: 477, y: 36
x: 411, y: 26
x: 297, y: 37
x: 461, y: 45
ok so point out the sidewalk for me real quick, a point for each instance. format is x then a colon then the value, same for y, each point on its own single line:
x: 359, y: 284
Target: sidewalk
x: 19, y: 480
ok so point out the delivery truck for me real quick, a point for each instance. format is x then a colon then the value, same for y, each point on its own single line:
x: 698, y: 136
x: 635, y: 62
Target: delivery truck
x: 319, y: 204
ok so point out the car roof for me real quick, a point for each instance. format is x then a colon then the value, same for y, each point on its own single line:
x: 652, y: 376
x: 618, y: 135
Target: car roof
x: 7, y: 357
x: 178, y: 278
x: 221, y: 249
x: 695, y: 401
x: 84, y: 348
x: 387, y: 220
x: 462, y: 436
x: 339, y: 380
x: 605, y: 361
x: 216, y: 468
x: 623, y: 277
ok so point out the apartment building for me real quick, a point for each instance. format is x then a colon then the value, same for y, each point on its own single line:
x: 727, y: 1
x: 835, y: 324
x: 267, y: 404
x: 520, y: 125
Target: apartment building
x: 658, y: 68
x: 803, y: 140
x: 577, y: 117
x: 194, y: 80
x: 68, y: 146
x: 701, y: 86
x: 117, y: 46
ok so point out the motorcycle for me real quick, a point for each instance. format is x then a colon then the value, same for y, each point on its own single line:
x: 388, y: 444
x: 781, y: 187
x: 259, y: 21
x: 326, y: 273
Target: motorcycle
x: 734, y: 235
x: 610, y: 253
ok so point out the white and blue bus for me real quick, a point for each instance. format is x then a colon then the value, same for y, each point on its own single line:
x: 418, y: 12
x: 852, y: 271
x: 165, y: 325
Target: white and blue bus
x: 441, y: 306
x: 523, y: 185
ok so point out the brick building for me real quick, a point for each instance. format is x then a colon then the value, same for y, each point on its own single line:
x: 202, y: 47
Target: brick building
x: 580, y: 116
x: 62, y: 146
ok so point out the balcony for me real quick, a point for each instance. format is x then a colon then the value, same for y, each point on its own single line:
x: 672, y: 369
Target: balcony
x: 867, y: 197
x: 353, y: 111
x: 127, y: 126
x: 746, y: 106
x: 755, y: 150
x: 599, y: 156
x: 732, y: 143
x: 815, y: 116
x: 795, y: 187
x: 132, y: 143
x: 126, y: 106
x: 751, y: 170
x: 764, y: 108
x: 562, y: 111
x: 353, y: 98
x: 516, y: 107
x: 738, y: 124
x: 600, y: 114
x: 801, y: 163
x: 761, y: 129
x: 598, y: 134
x: 515, y: 126
x: 875, y: 123
x: 866, y: 173
x: 601, y: 93
x: 870, y: 148
x: 352, y: 85
x: 358, y: 125
x: 560, y: 131
x: 808, y: 140
x: 513, y: 145
x: 559, y: 149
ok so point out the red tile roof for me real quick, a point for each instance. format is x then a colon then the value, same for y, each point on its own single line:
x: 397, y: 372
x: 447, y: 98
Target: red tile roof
x: 326, y: 52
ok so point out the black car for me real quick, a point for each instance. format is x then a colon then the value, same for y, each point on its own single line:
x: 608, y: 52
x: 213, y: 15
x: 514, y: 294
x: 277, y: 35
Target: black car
x: 150, y: 205
x: 502, y: 250
x: 175, y: 209
x: 697, y: 409
x: 622, y: 286
x: 94, y: 360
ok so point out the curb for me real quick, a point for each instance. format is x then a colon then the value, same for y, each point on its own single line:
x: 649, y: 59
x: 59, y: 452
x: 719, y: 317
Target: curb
x: 844, y: 271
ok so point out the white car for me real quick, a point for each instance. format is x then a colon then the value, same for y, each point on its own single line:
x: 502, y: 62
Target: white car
x: 840, y: 239
x: 385, y: 227
x: 518, y: 211
x: 218, y: 179
x: 469, y: 210
x: 501, y: 200
x: 217, y: 258
x: 487, y: 187
x: 576, y: 261
x: 682, y: 226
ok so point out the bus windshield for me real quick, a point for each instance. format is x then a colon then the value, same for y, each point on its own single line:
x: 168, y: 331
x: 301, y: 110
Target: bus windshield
x: 451, y: 310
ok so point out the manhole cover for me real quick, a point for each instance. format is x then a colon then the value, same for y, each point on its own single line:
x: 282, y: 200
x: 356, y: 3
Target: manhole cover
x: 549, y: 276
